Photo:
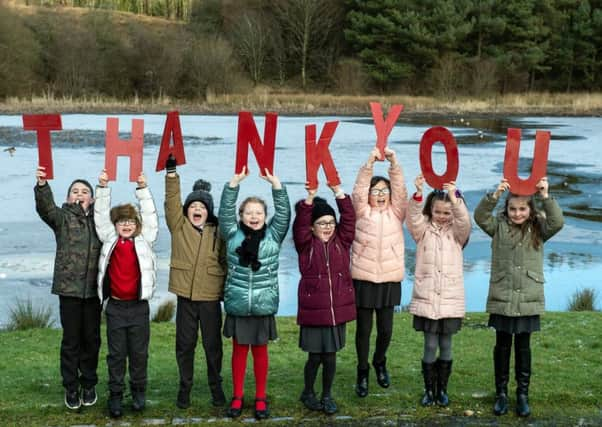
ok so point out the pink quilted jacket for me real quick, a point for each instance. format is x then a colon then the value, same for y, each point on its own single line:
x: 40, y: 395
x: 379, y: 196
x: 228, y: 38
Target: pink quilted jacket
x: 378, y: 249
x: 438, y: 291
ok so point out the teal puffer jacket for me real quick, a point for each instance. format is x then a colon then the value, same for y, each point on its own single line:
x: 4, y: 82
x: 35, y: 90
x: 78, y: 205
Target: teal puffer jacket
x: 248, y: 292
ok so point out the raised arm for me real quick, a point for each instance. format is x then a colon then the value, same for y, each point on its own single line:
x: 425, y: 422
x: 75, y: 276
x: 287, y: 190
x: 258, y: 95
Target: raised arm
x: 148, y: 210
x: 174, y: 216
x: 302, y: 233
x: 554, y: 220
x: 483, y: 214
x: 399, y: 192
x: 48, y: 211
x: 360, y: 194
x: 415, y: 221
x: 102, y: 210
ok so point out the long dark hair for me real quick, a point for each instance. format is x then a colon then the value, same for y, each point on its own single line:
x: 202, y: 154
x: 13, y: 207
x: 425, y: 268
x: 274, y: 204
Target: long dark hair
x: 532, y: 224
x: 430, y: 200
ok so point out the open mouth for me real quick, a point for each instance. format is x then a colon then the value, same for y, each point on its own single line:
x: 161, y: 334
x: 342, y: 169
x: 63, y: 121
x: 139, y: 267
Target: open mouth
x: 197, y: 217
x: 381, y: 202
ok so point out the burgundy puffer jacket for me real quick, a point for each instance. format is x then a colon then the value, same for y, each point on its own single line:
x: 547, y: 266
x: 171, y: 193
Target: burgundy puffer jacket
x: 326, y: 294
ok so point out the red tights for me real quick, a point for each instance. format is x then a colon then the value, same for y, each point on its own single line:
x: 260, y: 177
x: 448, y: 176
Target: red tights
x: 239, y: 367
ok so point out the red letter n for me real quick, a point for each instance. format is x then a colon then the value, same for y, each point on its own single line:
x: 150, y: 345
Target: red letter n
x: 248, y: 135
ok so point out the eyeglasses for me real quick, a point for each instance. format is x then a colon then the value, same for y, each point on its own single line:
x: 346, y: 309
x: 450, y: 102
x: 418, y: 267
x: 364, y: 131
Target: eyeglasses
x: 380, y: 191
x: 126, y: 222
x: 326, y: 224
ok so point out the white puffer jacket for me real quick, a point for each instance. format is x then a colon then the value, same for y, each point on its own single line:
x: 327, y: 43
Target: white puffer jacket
x: 143, y: 242
x: 438, y: 291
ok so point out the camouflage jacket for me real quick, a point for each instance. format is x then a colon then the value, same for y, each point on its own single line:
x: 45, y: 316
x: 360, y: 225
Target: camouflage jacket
x: 77, y: 245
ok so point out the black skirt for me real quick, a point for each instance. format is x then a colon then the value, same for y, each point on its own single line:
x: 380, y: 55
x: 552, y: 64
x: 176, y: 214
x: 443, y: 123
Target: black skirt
x: 251, y: 330
x: 377, y: 295
x: 514, y: 325
x: 322, y: 339
x: 442, y: 326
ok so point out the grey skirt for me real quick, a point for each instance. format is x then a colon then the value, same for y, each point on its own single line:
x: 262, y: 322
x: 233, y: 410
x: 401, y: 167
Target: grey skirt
x: 442, y: 326
x: 251, y: 330
x: 322, y: 339
x: 514, y: 325
x: 377, y: 295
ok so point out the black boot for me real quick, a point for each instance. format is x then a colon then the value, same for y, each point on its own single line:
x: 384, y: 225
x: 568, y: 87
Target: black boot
x: 361, y: 387
x: 382, y: 376
x: 183, y: 400
x: 138, y: 399
x: 501, y: 365
x: 115, y: 407
x: 218, y: 398
x: 523, y: 378
x: 429, y: 374
x: 444, y: 368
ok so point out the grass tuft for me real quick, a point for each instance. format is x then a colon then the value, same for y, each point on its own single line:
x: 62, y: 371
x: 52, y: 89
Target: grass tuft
x: 583, y: 300
x: 25, y: 316
x: 165, y: 312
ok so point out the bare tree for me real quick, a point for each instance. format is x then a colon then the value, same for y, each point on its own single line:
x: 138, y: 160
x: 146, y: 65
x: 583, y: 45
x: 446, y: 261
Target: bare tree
x: 251, y: 41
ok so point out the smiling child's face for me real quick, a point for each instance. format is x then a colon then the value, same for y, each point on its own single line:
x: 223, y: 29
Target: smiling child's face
x: 197, y: 214
x: 253, y: 215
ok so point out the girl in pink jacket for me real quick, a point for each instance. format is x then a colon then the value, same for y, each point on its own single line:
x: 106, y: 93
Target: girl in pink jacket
x: 441, y: 229
x: 377, y: 263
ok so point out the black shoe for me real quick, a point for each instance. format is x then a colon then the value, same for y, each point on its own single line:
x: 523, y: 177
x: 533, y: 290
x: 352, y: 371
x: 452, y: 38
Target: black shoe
x: 138, y: 400
x: 72, y: 400
x: 217, y: 397
x: 89, y: 396
x: 329, y: 405
x: 500, y: 407
x: 429, y: 374
x: 310, y: 401
x: 115, y: 408
x: 261, y: 414
x: 522, y: 405
x: 361, y: 386
x: 235, y: 412
x: 183, y: 401
x: 382, y: 375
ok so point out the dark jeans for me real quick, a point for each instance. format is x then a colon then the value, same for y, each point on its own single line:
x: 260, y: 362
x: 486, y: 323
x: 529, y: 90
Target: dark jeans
x: 384, y: 331
x: 128, y: 334
x: 190, y: 316
x: 80, y: 319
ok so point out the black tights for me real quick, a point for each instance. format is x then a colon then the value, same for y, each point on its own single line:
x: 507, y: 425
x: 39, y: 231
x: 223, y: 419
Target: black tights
x: 521, y: 341
x: 329, y: 367
x: 384, y: 331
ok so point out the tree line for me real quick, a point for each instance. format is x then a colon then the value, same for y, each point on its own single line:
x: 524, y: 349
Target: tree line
x: 199, y: 47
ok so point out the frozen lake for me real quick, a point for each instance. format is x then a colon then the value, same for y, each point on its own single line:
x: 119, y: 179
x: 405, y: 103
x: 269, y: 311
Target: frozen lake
x: 573, y: 257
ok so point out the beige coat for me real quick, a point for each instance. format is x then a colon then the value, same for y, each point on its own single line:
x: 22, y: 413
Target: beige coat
x: 438, y: 291
x: 198, y: 260
x: 378, y: 249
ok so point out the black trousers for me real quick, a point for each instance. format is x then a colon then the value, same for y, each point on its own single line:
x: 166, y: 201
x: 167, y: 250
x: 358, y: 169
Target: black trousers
x: 128, y: 335
x: 80, y: 320
x: 190, y: 316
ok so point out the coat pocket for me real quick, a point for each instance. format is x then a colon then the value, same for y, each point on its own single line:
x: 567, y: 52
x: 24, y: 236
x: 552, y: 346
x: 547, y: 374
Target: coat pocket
x: 180, y: 265
x: 533, y: 275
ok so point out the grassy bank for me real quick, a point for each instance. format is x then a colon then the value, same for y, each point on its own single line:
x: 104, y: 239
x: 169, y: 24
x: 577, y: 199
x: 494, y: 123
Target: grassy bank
x: 565, y: 388
x: 263, y: 99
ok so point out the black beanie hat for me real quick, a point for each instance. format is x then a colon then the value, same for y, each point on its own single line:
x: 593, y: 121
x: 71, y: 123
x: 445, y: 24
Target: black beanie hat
x: 201, y: 193
x: 321, y: 208
x: 81, y: 181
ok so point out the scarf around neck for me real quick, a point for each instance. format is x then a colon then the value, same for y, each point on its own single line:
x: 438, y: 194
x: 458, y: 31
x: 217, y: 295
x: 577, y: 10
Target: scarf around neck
x: 249, y: 249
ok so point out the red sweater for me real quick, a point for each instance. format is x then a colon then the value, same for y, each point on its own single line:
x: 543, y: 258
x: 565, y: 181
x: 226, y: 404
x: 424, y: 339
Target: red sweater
x: 124, y: 270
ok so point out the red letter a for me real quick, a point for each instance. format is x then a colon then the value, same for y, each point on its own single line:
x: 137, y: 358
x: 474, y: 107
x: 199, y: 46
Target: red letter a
x: 319, y: 154
x: 525, y: 187
x: 115, y: 147
x: 248, y: 135
x: 172, y: 127
x: 43, y: 124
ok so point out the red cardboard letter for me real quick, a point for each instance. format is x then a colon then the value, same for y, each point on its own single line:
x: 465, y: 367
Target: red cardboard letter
x: 384, y: 127
x: 43, y: 124
x: 319, y: 154
x: 248, y: 135
x: 172, y: 127
x: 430, y: 137
x: 525, y: 187
x: 115, y: 147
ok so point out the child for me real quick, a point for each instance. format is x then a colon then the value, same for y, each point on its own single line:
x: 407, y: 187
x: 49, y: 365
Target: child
x: 516, y: 294
x: 127, y: 278
x: 196, y: 275
x: 251, y: 289
x: 326, y: 295
x: 377, y: 262
x: 441, y: 230
x: 74, y: 281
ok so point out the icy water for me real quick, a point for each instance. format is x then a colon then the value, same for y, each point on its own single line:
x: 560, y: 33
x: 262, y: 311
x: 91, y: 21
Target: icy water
x: 573, y: 257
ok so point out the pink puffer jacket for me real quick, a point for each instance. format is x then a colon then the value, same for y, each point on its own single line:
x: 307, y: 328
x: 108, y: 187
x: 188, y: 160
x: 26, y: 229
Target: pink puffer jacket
x: 378, y: 249
x: 439, y: 281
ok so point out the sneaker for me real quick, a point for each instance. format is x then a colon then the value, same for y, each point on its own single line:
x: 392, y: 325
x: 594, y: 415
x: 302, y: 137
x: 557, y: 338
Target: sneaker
x: 330, y: 407
x: 72, y: 400
x: 89, y: 396
x: 114, y: 404
x: 310, y: 401
x: 183, y: 401
x: 138, y: 400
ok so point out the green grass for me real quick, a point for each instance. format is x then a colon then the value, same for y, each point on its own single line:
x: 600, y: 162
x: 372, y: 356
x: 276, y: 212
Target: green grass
x: 566, y: 383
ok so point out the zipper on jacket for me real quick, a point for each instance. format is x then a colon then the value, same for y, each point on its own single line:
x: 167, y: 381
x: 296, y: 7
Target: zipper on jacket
x: 330, y: 284
x: 378, y: 255
x: 89, y: 250
x: 250, y: 289
x: 196, y: 261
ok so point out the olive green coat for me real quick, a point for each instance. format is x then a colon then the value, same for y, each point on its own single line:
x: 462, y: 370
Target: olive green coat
x: 516, y: 283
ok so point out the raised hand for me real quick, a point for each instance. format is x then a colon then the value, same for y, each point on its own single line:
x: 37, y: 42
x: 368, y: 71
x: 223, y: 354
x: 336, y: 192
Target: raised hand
x: 503, y: 186
x: 170, y: 165
x: 390, y: 156
x: 238, y: 177
x: 373, y: 157
x: 311, y: 194
x: 41, y: 175
x: 542, y: 187
x: 103, y: 178
x: 337, y: 191
x: 419, y: 183
x: 451, y: 188
x: 272, y: 179
x: 141, y: 181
